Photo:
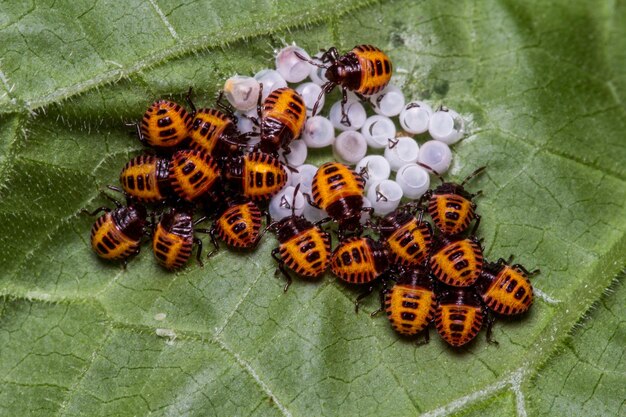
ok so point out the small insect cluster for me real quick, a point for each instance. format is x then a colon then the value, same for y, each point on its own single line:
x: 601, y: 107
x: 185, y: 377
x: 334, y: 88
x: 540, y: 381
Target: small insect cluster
x: 237, y: 163
x: 364, y: 75
x: 438, y: 273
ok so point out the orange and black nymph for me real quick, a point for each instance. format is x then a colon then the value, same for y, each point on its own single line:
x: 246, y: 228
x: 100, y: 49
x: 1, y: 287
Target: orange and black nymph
x: 359, y: 260
x: 173, y: 239
x: 365, y: 69
x: 451, y: 206
x: 164, y: 125
x: 215, y: 133
x: 239, y: 225
x: 146, y: 178
x: 117, y: 234
x: 459, y: 316
x: 194, y: 175
x: 410, y: 303
x: 338, y: 190
x: 304, y: 247
x: 457, y: 262
x: 407, y: 238
x: 282, y: 120
x: 505, y: 288
x: 257, y: 176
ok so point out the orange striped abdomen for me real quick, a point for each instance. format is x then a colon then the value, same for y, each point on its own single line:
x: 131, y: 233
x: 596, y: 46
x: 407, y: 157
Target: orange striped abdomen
x: 165, y: 124
x: 307, y: 253
x: 358, y: 260
x: 171, y: 250
x: 193, y: 174
x: 144, y: 178
x: 375, y: 69
x: 409, y: 308
x: 458, y: 324
x: 510, y: 293
x: 239, y: 225
x: 283, y: 109
x: 109, y: 242
x: 334, y: 181
x: 410, y: 244
x: 451, y: 213
x: 263, y: 176
x: 458, y: 263
x: 207, y: 127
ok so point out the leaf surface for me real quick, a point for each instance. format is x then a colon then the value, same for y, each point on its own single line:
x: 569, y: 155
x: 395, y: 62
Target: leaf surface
x: 542, y: 86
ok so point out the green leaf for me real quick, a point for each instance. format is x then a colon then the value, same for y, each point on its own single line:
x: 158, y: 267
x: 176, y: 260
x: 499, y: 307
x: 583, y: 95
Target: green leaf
x: 543, y: 87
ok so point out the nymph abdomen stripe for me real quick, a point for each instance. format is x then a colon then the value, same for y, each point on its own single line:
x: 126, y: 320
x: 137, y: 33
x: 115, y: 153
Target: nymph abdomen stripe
x: 109, y: 242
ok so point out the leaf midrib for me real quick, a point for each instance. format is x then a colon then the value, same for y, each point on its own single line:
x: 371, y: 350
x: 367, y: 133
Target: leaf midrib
x: 534, y: 357
x: 186, y: 47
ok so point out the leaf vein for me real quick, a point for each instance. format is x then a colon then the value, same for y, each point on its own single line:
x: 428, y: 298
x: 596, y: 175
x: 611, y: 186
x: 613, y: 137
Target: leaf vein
x: 188, y: 47
x: 74, y: 388
x: 163, y: 17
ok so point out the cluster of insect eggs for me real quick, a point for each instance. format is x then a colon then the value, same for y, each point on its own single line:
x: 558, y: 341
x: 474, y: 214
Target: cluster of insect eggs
x: 259, y: 155
x: 348, y: 129
x: 411, y: 303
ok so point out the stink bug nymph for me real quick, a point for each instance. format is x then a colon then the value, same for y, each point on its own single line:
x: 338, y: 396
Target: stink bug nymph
x: 304, y: 246
x: 365, y: 69
x: 117, y: 234
x: 146, y: 178
x: 338, y: 190
x: 359, y: 260
x: 459, y: 316
x: 451, y: 206
x: 215, y: 132
x: 256, y: 175
x: 457, y: 262
x: 407, y: 238
x: 505, y: 288
x: 194, y: 175
x: 164, y: 125
x: 282, y: 120
x: 410, y: 303
x: 239, y: 225
x: 173, y: 239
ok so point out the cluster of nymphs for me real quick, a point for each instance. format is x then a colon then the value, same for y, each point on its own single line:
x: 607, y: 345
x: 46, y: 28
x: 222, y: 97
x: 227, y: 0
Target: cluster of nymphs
x: 235, y: 164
